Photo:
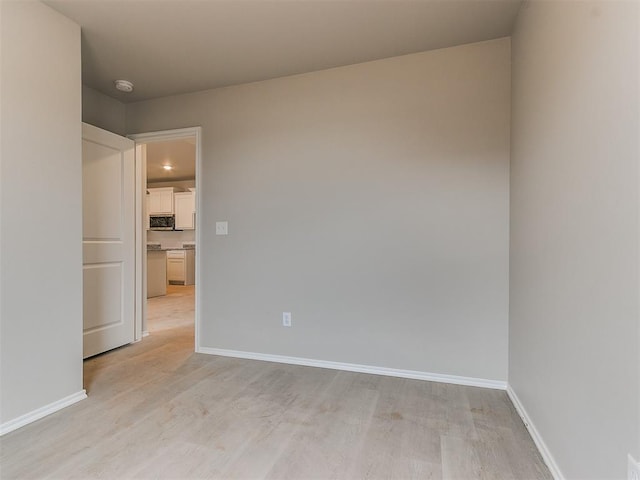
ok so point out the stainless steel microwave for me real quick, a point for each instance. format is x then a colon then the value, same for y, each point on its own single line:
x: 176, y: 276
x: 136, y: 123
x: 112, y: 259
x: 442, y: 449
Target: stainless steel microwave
x: 162, y: 222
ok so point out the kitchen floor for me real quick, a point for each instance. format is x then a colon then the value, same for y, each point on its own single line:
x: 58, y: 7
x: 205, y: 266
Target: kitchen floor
x: 176, y: 309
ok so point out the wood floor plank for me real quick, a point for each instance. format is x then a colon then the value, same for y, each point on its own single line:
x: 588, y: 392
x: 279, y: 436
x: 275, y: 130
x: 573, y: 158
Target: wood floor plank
x: 459, y: 459
x: 336, y: 423
x: 399, y: 443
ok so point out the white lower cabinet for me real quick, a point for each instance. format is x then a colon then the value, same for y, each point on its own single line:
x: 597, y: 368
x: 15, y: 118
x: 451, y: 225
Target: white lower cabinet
x: 156, y: 273
x: 181, y: 267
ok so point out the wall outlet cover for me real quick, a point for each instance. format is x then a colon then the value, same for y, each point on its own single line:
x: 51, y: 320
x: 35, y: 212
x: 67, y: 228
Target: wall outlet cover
x: 286, y: 319
x: 222, y: 228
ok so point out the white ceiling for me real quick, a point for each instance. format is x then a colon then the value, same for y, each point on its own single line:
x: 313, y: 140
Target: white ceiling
x: 167, y: 47
x: 180, y: 154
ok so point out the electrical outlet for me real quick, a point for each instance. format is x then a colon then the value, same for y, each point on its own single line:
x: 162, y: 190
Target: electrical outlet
x: 222, y: 228
x: 286, y: 320
x: 634, y: 469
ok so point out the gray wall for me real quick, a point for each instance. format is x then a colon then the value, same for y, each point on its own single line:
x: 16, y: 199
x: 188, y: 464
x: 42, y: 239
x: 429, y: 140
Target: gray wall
x: 371, y: 201
x: 102, y: 111
x: 574, y: 231
x: 40, y: 209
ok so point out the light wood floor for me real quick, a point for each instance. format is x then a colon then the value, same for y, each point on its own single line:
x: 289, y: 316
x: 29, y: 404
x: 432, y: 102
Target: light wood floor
x: 158, y: 410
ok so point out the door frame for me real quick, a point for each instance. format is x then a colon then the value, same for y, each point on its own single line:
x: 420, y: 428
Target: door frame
x: 140, y: 140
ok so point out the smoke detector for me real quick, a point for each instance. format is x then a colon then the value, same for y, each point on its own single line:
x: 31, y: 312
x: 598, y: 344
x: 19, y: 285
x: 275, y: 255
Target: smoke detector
x: 124, y: 86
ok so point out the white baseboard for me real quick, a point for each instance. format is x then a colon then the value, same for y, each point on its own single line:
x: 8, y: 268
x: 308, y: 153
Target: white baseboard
x: 535, y: 435
x: 352, y: 367
x: 37, y: 414
x: 633, y: 469
x: 142, y: 335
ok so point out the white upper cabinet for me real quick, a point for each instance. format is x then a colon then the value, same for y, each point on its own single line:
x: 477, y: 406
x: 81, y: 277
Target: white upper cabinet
x: 161, y: 201
x: 185, y: 209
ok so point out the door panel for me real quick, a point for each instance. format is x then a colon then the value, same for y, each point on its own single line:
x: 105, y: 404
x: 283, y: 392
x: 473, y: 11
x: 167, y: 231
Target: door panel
x: 102, y: 191
x: 101, y: 282
x: 108, y: 186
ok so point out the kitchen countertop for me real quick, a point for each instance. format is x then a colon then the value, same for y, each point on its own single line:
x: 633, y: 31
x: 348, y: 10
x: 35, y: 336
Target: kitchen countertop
x: 157, y: 247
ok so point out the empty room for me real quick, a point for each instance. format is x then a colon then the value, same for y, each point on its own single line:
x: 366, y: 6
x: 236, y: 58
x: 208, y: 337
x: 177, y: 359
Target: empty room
x: 373, y: 239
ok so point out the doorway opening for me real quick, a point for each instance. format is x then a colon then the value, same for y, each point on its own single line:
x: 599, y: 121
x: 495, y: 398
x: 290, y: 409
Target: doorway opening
x: 168, y: 230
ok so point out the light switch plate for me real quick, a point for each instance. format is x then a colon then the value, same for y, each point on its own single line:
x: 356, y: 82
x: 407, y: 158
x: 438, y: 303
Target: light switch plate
x: 222, y: 228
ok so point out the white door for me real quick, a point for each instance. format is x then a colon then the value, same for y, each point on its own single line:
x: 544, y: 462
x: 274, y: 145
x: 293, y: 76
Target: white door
x: 108, y: 230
